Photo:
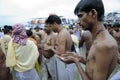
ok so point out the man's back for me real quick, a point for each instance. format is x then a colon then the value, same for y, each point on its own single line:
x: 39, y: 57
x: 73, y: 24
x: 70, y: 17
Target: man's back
x: 102, y: 57
x: 87, y: 39
x: 65, y: 39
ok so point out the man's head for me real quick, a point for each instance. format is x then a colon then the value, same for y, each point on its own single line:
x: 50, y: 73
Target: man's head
x: 89, y: 11
x: 37, y: 28
x: 53, y: 21
x: 7, y: 29
x: 47, y: 29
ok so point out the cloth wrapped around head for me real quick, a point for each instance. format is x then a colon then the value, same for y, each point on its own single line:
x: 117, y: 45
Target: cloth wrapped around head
x: 19, y: 34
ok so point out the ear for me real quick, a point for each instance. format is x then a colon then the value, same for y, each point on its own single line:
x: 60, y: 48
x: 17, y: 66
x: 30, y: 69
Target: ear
x: 93, y: 12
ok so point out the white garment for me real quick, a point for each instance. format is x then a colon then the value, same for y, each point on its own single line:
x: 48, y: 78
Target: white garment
x: 51, y: 65
x: 28, y: 75
x: 22, y: 58
x: 64, y: 71
x: 116, y: 76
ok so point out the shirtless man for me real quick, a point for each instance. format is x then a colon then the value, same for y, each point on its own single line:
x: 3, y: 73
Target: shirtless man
x: 63, y: 44
x: 102, y: 56
x: 115, y: 32
x: 86, y: 38
x: 50, y: 61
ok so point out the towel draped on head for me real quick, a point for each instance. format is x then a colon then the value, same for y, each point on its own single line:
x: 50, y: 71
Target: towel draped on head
x: 19, y: 34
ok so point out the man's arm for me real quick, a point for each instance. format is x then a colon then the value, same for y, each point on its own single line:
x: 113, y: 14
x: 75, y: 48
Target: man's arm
x: 50, y: 43
x: 81, y: 71
x: 81, y: 41
x: 67, y: 58
x: 103, y: 58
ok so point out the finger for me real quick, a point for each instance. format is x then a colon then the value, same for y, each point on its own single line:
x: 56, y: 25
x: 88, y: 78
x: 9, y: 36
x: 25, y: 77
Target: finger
x: 65, y: 55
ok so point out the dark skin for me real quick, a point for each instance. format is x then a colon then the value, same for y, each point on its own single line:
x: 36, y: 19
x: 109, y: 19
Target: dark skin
x: 50, y: 42
x: 98, y: 67
x: 64, y: 41
x: 4, y: 71
x: 87, y: 39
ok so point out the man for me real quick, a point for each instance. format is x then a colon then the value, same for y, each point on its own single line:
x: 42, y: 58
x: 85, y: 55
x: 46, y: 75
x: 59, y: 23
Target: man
x: 86, y: 38
x: 115, y: 32
x: 63, y: 44
x: 22, y: 54
x: 102, y: 56
x: 77, y: 31
x: 6, y: 38
x: 50, y: 61
x: 4, y: 71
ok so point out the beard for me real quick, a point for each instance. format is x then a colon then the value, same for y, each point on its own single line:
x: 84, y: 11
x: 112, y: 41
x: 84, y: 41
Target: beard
x: 89, y: 27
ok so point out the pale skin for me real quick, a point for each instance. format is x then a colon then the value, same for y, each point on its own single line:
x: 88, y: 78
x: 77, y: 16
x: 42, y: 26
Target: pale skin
x: 102, y: 56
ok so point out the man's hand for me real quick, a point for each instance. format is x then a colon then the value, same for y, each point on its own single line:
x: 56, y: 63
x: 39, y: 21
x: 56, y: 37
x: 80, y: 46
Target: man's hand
x: 67, y: 59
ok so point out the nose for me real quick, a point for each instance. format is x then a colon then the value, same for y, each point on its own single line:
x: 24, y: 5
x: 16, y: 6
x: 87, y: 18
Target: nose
x: 79, y: 21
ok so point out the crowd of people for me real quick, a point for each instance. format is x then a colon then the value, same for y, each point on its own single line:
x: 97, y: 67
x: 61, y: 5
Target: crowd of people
x: 53, y: 53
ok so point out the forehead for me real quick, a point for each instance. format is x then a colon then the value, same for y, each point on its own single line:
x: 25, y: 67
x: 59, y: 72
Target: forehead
x: 81, y: 12
x: 48, y: 25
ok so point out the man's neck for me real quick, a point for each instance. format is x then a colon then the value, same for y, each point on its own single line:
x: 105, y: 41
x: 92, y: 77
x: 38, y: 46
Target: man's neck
x: 59, y: 28
x: 97, y: 28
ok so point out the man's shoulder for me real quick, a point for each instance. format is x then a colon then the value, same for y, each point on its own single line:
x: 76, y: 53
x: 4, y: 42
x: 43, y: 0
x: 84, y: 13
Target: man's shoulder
x: 106, y: 45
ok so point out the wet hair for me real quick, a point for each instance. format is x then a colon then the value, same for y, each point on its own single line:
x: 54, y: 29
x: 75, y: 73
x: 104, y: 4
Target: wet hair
x: 88, y: 5
x: 53, y: 19
x: 10, y: 28
x: 7, y: 29
x: 29, y: 33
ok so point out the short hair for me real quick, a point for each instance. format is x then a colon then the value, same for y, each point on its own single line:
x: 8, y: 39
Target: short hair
x: 29, y: 33
x: 88, y: 5
x: 53, y: 19
x: 7, y: 29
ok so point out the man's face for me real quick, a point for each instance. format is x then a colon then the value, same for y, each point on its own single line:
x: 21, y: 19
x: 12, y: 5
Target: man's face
x: 84, y: 20
x: 47, y: 29
x: 53, y: 27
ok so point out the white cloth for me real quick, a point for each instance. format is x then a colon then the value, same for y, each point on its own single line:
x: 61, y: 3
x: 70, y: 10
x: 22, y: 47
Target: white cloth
x: 64, y: 71
x: 4, y: 43
x: 28, y: 75
x: 51, y: 65
x: 22, y: 58
x: 116, y: 76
